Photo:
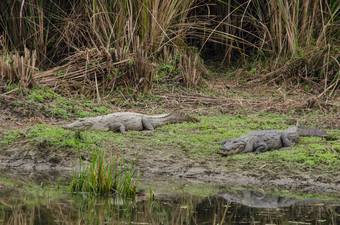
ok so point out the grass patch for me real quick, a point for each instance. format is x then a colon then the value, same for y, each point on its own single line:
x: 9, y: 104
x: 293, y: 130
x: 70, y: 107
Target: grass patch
x: 59, y: 137
x: 105, y: 176
x: 11, y: 136
x: 53, y: 104
x: 43, y: 95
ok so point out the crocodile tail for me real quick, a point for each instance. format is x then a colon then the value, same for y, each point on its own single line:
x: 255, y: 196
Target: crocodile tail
x: 312, y: 131
x: 178, y: 117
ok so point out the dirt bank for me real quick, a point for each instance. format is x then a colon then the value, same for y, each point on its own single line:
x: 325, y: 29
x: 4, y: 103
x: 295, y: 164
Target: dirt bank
x: 164, y: 160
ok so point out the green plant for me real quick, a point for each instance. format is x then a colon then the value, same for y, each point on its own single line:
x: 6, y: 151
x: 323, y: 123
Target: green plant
x: 43, y: 95
x: 168, y: 70
x: 60, y: 73
x: 57, y: 111
x: 59, y: 137
x: 11, y: 136
x: 105, y: 175
x: 11, y: 86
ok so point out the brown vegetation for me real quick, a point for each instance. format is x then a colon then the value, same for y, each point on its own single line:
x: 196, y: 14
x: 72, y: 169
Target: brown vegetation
x: 105, y: 45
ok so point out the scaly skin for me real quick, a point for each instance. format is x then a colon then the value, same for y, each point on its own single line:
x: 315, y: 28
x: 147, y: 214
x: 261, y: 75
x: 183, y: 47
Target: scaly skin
x: 124, y: 121
x: 261, y: 141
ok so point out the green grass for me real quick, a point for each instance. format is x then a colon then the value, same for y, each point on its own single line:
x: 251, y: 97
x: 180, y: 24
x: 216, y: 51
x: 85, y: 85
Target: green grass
x: 52, y: 104
x: 11, y: 136
x: 59, y: 137
x: 105, y: 175
x: 43, y: 95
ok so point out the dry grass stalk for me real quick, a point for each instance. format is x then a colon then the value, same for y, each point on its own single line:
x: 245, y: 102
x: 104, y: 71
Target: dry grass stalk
x: 84, y: 66
x: 192, y: 70
x: 16, y: 68
x: 142, y: 31
x: 151, y: 32
x: 292, y: 34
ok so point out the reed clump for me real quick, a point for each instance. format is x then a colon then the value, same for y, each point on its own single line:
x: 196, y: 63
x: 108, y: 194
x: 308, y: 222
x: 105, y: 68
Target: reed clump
x: 101, y: 44
x: 286, y: 41
x: 18, y: 68
x: 105, y: 45
x: 103, y: 177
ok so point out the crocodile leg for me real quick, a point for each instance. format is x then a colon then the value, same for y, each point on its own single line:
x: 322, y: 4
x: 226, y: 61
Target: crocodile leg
x: 116, y: 127
x: 259, y: 147
x: 286, y: 143
x: 147, y: 126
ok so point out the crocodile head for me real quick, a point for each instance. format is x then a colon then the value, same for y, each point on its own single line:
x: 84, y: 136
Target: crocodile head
x: 81, y: 124
x: 233, y: 146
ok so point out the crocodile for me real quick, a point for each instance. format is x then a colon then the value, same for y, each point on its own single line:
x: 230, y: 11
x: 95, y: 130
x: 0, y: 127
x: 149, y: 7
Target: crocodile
x: 123, y: 121
x: 263, y: 140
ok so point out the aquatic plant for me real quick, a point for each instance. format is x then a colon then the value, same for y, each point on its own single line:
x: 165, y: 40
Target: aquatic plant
x: 104, y: 177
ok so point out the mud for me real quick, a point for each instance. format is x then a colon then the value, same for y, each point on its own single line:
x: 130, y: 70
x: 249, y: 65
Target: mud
x: 213, y: 170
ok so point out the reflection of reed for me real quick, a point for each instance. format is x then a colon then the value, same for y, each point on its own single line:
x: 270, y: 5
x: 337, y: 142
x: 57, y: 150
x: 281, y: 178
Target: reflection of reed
x: 173, y: 210
x: 95, y: 210
x: 35, y: 214
x: 167, y: 211
x: 304, y: 212
x: 19, y: 216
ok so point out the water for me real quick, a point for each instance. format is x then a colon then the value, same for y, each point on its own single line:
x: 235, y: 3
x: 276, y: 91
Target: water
x: 37, y: 205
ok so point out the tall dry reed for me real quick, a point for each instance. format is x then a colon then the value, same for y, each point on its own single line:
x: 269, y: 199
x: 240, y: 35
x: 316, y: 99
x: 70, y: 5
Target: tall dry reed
x: 298, y: 40
x: 108, y: 44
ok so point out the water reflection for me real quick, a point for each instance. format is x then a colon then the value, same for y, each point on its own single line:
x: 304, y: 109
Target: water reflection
x: 232, y: 207
x: 260, y: 200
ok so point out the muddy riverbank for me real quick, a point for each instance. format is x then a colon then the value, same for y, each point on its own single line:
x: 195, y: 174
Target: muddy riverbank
x: 158, y: 154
